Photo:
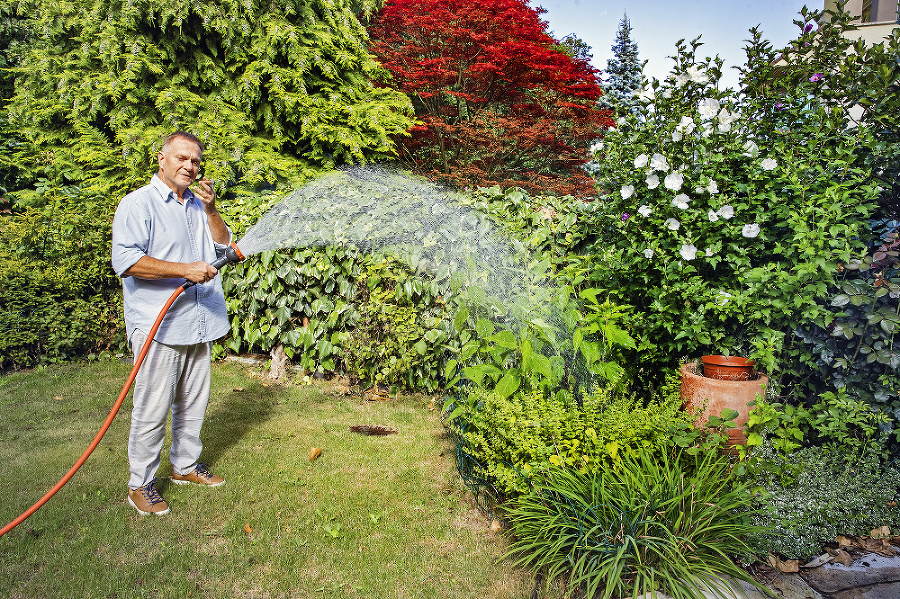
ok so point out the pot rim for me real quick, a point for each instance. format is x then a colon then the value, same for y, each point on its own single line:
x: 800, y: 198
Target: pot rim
x: 728, y: 361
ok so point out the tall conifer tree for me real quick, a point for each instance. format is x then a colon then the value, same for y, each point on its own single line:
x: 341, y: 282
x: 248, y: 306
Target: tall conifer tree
x: 624, y: 72
x: 275, y: 88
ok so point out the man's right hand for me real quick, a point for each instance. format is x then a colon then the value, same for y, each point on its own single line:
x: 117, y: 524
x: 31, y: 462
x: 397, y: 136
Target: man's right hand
x: 153, y: 269
x: 199, y: 272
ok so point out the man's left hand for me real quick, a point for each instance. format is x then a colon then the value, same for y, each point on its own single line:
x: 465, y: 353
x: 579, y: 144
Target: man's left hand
x: 205, y: 192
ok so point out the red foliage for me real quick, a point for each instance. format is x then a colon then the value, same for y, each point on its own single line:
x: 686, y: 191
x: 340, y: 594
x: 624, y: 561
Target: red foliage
x: 498, y: 101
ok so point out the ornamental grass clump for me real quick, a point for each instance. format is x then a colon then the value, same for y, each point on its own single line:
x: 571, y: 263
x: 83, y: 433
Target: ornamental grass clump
x: 667, y: 524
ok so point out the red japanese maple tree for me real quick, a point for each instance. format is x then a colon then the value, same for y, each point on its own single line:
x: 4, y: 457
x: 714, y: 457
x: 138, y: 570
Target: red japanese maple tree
x: 497, y: 100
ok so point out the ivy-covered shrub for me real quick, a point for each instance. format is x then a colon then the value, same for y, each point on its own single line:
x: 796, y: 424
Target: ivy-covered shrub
x: 399, y: 337
x: 336, y: 309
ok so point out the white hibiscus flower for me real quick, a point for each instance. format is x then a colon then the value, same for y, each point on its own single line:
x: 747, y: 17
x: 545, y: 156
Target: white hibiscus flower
x: 674, y: 181
x: 708, y: 108
x: 672, y: 224
x: 769, y: 164
x: 726, y: 211
x: 648, y: 253
x: 688, y: 251
x: 677, y: 135
x: 658, y: 162
x: 750, y: 148
x: 681, y: 201
x: 652, y: 181
x: 696, y: 74
x: 645, y: 210
x: 687, y: 124
x: 641, y: 161
x: 750, y: 231
x: 712, y: 188
x: 713, y: 215
x: 627, y: 191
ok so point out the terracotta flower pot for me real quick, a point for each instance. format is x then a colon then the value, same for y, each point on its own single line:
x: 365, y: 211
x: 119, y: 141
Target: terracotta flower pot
x: 712, y: 396
x: 727, y: 368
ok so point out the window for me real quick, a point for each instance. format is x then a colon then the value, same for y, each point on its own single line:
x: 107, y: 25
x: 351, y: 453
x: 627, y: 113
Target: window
x: 866, y: 11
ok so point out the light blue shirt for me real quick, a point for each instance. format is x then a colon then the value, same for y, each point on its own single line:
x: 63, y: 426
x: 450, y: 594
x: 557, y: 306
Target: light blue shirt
x: 150, y: 221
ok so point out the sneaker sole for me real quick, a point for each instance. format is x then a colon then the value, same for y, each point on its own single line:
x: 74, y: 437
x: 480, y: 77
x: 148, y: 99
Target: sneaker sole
x: 142, y: 512
x: 179, y: 481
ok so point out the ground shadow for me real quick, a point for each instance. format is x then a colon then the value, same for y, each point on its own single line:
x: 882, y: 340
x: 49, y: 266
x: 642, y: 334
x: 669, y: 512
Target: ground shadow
x: 232, y: 415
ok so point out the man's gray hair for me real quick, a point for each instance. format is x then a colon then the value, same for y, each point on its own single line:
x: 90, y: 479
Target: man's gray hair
x: 182, y: 135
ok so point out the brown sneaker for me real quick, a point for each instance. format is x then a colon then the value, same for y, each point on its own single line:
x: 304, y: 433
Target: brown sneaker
x: 199, y: 476
x: 147, y: 500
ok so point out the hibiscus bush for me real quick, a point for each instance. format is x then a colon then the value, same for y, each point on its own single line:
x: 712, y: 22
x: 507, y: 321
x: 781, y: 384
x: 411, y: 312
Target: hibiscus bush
x: 729, y: 212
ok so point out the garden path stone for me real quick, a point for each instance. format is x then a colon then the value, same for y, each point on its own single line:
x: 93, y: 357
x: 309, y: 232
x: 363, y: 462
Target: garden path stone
x: 888, y: 590
x: 870, y: 569
x: 868, y: 577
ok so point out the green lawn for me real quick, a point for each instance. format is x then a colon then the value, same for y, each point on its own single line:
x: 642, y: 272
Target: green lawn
x: 372, y: 517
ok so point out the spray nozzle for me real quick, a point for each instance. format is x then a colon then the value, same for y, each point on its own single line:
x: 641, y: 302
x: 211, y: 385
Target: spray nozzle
x: 232, y: 254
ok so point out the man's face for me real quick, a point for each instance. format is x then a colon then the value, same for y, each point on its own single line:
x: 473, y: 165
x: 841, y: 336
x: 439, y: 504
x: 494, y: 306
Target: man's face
x: 179, y: 164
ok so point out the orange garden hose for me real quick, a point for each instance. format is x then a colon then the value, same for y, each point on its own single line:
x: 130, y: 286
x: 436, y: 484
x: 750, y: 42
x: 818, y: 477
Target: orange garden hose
x: 233, y: 254
x: 106, y: 423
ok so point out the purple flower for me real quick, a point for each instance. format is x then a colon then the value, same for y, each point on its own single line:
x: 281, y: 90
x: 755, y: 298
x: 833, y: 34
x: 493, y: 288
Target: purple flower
x: 808, y: 28
x: 625, y: 216
x: 779, y: 106
x: 816, y: 77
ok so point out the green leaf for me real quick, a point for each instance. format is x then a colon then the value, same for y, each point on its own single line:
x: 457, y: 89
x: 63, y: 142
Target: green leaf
x: 508, y: 385
x: 505, y: 339
x: 484, y: 328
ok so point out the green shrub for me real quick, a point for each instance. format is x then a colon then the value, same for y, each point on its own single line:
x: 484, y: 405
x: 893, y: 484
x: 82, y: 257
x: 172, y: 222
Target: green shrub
x: 836, y: 422
x: 832, y: 494
x: 42, y: 319
x: 656, y: 522
x: 516, y: 438
x: 335, y: 309
x: 398, y: 337
x: 728, y: 213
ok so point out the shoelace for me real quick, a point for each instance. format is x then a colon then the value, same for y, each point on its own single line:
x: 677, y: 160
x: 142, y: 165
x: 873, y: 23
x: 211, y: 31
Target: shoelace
x: 151, y: 495
x: 202, y: 471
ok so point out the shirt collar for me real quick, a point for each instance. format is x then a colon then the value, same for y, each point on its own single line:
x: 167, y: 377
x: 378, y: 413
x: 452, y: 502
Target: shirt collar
x: 166, y: 193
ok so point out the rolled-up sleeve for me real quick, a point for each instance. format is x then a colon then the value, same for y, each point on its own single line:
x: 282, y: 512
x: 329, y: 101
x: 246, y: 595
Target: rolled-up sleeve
x: 130, y: 234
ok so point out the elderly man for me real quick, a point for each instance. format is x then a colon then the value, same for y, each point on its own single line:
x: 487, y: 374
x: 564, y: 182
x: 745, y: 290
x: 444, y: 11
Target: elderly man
x: 164, y: 233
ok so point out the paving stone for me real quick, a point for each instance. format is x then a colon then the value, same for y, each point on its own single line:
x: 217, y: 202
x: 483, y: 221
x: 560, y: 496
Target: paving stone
x: 888, y: 590
x: 871, y: 569
x: 791, y: 586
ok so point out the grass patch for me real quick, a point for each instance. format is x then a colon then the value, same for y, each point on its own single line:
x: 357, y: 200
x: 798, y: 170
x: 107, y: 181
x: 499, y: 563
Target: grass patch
x: 371, y: 517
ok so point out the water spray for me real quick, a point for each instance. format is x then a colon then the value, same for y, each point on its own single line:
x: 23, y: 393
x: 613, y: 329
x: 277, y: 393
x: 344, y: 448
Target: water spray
x: 232, y: 254
x: 383, y: 209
